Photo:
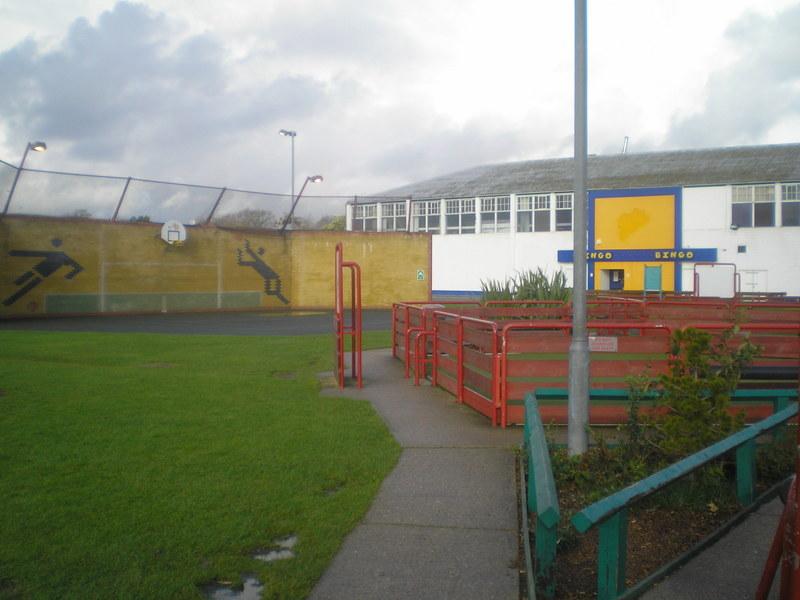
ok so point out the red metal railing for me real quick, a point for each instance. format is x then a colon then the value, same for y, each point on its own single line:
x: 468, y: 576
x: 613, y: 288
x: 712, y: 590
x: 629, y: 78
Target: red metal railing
x: 477, y: 354
x: 785, y: 548
x: 546, y: 346
x: 485, y: 362
x: 354, y: 328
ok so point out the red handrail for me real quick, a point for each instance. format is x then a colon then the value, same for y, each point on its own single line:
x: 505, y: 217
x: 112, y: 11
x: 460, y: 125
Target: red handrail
x: 354, y: 330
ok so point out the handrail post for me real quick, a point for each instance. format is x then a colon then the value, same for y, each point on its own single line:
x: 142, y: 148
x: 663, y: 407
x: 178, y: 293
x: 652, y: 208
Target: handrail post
x: 746, y: 472
x: 394, y: 330
x: 460, y: 360
x: 435, y: 350
x: 611, y: 556
x: 545, y: 542
x: 778, y: 404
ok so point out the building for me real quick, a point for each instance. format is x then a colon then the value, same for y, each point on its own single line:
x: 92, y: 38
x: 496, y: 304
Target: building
x: 652, y: 217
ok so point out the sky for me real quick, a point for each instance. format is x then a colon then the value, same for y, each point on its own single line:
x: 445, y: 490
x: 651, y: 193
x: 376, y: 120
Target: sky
x: 382, y: 93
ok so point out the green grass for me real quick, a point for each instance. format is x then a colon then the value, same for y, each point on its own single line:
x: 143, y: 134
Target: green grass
x: 143, y: 466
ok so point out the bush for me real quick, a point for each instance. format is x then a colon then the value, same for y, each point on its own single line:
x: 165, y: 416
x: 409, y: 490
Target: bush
x: 528, y: 285
x: 696, y: 394
x: 692, y: 403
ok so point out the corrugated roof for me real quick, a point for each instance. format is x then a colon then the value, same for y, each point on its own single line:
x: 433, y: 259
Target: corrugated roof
x: 712, y: 166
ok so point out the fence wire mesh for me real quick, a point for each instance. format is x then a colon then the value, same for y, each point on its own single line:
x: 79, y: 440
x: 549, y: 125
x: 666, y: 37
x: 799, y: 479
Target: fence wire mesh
x: 81, y: 195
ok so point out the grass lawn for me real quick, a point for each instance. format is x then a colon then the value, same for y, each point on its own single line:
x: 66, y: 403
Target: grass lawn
x: 144, y: 466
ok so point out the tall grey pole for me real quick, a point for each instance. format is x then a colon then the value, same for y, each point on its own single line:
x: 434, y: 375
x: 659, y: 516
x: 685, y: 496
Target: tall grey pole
x: 578, y: 407
x: 16, y: 178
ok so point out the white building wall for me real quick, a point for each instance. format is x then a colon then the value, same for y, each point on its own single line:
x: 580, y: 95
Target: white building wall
x: 771, y: 261
x: 461, y: 262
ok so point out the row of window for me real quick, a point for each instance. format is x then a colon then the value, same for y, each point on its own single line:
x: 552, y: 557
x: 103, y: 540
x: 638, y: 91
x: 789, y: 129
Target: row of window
x: 533, y: 214
x: 755, y: 205
x: 752, y: 206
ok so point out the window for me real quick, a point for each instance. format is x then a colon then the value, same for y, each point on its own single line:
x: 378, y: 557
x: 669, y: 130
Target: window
x: 426, y: 216
x: 460, y: 216
x: 541, y: 213
x: 790, y: 204
x: 563, y: 212
x: 495, y: 214
x: 753, y: 206
x: 393, y: 216
x: 533, y: 213
x: 524, y: 214
x: 365, y: 217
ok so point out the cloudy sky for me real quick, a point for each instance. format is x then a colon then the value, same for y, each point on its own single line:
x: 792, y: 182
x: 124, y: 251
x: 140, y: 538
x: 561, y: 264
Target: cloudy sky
x: 383, y: 92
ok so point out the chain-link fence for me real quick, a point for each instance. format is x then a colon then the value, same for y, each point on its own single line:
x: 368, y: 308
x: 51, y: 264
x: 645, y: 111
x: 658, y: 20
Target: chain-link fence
x: 81, y: 195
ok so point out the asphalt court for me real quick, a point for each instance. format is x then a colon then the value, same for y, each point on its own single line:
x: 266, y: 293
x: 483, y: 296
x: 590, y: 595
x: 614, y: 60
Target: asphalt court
x: 252, y: 323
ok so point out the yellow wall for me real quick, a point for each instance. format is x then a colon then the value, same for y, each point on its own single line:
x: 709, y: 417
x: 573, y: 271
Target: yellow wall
x: 127, y: 267
x: 389, y: 264
x: 635, y: 223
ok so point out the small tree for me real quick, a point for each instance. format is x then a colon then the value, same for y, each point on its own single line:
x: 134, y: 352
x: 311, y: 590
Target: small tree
x: 696, y: 393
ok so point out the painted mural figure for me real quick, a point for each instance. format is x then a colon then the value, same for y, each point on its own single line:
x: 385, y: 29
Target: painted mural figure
x: 272, y: 281
x: 50, y: 263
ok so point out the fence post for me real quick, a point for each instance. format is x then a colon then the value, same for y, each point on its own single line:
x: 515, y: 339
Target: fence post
x: 546, y: 539
x: 778, y: 404
x: 121, y: 198
x: 216, y: 205
x: 611, y: 556
x: 745, y: 472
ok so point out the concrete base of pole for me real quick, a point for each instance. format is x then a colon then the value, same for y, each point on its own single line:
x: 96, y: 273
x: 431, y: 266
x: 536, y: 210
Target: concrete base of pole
x: 578, y: 406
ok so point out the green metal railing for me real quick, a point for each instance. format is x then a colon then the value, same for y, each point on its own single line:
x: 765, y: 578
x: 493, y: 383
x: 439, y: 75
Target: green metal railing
x: 610, y: 515
x: 780, y: 398
x: 542, y: 500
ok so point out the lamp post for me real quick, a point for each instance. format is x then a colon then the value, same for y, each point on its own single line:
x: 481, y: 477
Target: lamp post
x: 292, y: 135
x: 36, y: 147
x: 578, y: 403
x: 288, y: 219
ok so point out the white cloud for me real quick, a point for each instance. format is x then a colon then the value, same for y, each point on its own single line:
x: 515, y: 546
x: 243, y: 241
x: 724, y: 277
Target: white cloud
x: 381, y: 93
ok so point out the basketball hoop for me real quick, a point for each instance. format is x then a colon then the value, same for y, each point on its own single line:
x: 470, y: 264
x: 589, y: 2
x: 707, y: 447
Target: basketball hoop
x: 173, y: 233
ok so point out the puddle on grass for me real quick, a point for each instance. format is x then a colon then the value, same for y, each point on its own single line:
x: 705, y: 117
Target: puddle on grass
x: 335, y: 489
x: 285, y: 375
x: 251, y: 591
x: 281, y: 550
x: 327, y: 379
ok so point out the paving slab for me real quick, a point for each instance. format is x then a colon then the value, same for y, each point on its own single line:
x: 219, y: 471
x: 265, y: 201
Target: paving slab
x: 425, y: 416
x: 449, y: 487
x: 444, y: 522
x: 421, y: 563
x: 731, y: 568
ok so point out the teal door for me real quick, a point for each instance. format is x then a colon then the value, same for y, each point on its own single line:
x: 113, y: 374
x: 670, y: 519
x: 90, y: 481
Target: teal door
x: 652, y: 279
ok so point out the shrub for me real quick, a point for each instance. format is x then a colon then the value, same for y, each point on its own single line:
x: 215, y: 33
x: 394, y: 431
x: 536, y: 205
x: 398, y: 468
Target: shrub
x: 696, y: 393
x: 528, y: 285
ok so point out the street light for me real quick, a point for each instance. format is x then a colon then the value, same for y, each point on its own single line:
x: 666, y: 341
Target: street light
x: 288, y: 219
x: 291, y: 134
x: 36, y: 147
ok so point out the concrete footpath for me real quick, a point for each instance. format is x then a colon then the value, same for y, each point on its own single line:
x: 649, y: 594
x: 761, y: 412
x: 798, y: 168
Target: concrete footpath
x: 731, y: 568
x: 444, y: 523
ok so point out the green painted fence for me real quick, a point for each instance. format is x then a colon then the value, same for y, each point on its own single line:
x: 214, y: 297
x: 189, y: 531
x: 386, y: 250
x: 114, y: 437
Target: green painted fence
x: 610, y: 514
x: 542, y: 500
